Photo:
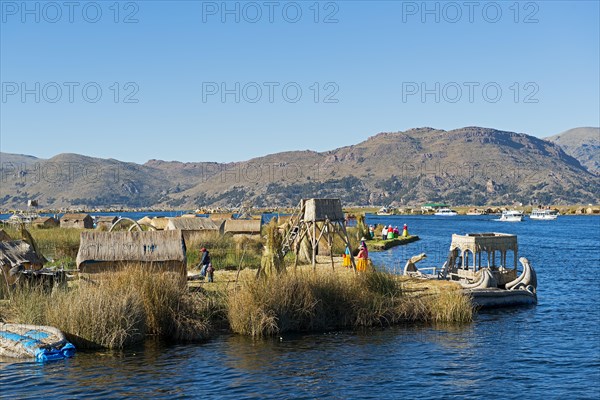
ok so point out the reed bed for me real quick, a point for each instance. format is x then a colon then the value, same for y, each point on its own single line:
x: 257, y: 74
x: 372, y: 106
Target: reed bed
x: 321, y: 301
x: 119, y: 309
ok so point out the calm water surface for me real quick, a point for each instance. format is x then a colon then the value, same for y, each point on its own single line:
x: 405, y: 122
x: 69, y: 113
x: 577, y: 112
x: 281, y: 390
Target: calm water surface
x: 548, y: 351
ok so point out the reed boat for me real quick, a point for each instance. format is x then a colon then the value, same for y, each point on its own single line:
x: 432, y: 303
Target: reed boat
x: 42, y: 343
x: 478, y: 262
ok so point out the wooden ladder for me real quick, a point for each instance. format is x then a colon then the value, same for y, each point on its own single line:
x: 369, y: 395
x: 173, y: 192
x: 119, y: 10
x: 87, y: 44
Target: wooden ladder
x: 294, y: 231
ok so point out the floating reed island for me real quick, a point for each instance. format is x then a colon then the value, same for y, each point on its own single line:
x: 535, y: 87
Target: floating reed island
x: 125, y: 286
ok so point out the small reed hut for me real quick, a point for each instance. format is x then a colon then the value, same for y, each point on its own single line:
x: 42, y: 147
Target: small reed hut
x: 79, y: 220
x: 107, y: 251
x: 218, y: 216
x: 45, y: 222
x: 145, y: 221
x: 192, y: 227
x: 105, y: 222
x: 18, y: 253
x: 243, y: 226
x: 160, y: 223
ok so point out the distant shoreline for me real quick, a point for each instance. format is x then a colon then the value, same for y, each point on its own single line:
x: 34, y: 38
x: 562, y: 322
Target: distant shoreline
x: 350, y: 211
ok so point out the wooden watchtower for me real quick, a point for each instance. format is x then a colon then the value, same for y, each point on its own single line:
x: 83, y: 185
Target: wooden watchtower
x: 314, y: 220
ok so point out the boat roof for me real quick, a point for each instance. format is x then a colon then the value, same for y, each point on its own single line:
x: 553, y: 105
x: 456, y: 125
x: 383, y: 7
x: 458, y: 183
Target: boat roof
x: 490, y: 241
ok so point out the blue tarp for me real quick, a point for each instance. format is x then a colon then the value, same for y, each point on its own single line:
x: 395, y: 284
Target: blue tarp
x: 31, y: 342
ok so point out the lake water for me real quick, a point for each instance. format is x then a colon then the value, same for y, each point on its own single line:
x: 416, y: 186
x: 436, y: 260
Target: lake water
x: 548, y: 351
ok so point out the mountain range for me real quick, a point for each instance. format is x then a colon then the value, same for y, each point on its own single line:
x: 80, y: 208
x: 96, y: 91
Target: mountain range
x: 583, y: 144
x: 467, y: 166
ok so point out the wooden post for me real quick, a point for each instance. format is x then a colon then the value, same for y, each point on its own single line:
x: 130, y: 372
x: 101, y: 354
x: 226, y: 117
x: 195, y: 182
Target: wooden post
x: 347, y: 243
x: 314, y: 245
x: 330, y: 230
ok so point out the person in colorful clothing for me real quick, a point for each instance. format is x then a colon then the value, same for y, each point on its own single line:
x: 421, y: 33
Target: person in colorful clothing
x: 390, y: 232
x: 347, y: 261
x: 405, y: 231
x: 363, y: 257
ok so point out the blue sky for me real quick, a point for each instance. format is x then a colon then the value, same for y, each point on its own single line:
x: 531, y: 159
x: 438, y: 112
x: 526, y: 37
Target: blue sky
x: 215, y: 81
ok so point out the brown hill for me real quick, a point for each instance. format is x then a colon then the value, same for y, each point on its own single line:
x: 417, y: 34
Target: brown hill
x: 464, y: 166
x: 583, y: 144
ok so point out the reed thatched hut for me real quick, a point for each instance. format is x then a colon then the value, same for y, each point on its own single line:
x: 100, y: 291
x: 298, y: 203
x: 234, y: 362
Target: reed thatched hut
x: 192, y: 227
x: 160, y: 223
x: 107, y: 251
x: 18, y: 253
x: 219, y: 216
x: 78, y: 220
x: 243, y: 226
x: 145, y: 221
x: 105, y: 222
x: 45, y: 222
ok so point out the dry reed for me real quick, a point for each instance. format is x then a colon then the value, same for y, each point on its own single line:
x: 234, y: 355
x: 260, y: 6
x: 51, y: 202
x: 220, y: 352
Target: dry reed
x: 118, y: 310
x: 324, y: 301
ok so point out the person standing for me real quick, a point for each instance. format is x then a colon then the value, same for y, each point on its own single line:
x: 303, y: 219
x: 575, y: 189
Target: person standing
x: 384, y: 233
x: 204, y: 261
x: 347, y: 262
x: 210, y: 272
x: 405, y: 231
x: 390, y: 232
x: 363, y: 256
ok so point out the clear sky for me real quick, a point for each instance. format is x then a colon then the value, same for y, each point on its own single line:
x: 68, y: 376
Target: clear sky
x: 216, y: 81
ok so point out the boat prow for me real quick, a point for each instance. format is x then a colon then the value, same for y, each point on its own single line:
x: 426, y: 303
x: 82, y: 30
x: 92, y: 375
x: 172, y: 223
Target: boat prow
x: 521, y: 291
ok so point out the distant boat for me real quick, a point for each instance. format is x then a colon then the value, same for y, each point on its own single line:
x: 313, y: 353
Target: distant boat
x: 544, y: 215
x: 384, y: 211
x: 446, y: 212
x: 511, y: 216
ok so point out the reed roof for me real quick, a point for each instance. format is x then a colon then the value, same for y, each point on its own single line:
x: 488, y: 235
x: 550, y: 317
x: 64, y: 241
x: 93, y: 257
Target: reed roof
x: 17, y: 252
x: 41, y: 220
x: 251, y: 226
x: 75, y: 216
x: 107, y: 219
x: 192, y: 224
x: 322, y: 209
x: 145, y: 246
x: 160, y: 222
